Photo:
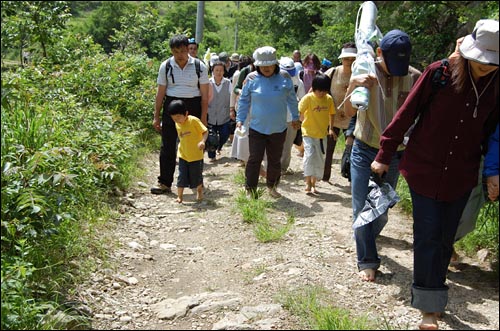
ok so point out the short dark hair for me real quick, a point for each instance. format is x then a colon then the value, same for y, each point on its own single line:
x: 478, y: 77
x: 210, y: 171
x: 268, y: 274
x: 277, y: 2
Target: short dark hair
x: 178, y: 40
x: 349, y: 44
x: 244, y: 61
x: 177, y: 107
x: 321, y: 82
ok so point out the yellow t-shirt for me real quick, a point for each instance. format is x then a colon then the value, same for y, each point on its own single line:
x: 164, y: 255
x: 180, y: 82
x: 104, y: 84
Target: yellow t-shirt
x: 190, y: 134
x: 316, y: 113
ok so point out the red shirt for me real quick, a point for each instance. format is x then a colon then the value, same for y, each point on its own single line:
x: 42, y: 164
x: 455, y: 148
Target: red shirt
x: 441, y: 160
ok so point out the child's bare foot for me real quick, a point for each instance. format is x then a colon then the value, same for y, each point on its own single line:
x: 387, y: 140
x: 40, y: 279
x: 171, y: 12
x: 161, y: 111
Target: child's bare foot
x: 178, y: 200
x: 314, y: 190
x: 429, y: 321
x: 367, y: 275
x: 308, y: 189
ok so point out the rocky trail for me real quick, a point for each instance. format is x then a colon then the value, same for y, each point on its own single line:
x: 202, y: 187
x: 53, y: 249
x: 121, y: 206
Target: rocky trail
x: 198, y: 266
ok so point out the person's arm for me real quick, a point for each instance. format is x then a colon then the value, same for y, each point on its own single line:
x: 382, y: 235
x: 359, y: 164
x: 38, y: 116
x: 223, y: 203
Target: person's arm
x: 204, y: 103
x: 293, y: 104
x: 160, y: 95
x: 201, y: 144
x: 491, y: 167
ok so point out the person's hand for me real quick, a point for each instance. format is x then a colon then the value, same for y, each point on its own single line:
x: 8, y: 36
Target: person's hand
x: 366, y: 80
x: 492, y: 184
x: 332, y: 134
x: 296, y: 124
x: 201, y: 145
x: 238, y: 124
x: 232, y: 113
x: 379, y: 168
x: 456, y: 52
x: 157, y: 124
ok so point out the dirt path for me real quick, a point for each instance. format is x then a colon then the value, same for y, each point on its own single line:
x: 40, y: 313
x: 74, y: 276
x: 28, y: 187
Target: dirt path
x: 199, y: 266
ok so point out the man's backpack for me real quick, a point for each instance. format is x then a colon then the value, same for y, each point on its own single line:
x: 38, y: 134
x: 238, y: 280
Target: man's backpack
x: 169, y: 71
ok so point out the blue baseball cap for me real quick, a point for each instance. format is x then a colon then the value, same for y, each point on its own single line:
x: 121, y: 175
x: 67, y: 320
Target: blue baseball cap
x: 396, y: 49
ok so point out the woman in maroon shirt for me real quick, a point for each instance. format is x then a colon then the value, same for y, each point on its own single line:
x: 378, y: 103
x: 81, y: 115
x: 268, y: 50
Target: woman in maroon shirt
x: 441, y: 160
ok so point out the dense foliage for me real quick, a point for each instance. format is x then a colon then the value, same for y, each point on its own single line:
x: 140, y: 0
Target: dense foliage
x: 73, y: 118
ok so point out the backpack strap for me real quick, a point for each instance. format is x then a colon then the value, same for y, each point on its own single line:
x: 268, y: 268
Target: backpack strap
x: 441, y: 75
x: 168, y: 68
x: 197, y: 67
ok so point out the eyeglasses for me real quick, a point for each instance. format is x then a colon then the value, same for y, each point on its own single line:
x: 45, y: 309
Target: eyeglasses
x: 191, y: 41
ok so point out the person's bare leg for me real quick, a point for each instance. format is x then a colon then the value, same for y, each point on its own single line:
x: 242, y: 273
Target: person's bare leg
x: 367, y: 275
x: 429, y: 321
x: 199, y: 192
x: 313, y: 185
x: 180, y: 193
x: 308, y: 184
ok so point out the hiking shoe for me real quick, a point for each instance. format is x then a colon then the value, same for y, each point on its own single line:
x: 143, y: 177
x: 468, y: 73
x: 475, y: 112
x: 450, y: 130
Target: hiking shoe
x: 161, y: 189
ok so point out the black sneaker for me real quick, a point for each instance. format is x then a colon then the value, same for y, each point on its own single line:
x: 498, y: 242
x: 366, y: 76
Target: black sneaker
x: 161, y: 189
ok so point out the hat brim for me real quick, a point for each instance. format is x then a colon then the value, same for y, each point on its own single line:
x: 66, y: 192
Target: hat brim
x: 265, y: 63
x: 343, y: 55
x: 469, y: 51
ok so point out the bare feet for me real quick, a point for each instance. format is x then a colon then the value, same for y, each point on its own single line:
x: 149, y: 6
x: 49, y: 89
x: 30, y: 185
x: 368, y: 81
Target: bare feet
x: 429, y: 321
x: 367, y: 275
x: 178, y: 200
x: 314, y: 190
x: 272, y: 192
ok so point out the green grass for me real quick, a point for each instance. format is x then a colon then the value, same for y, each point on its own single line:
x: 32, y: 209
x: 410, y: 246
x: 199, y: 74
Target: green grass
x: 314, y: 307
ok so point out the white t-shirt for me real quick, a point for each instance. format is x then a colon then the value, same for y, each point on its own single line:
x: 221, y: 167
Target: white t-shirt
x: 186, y: 80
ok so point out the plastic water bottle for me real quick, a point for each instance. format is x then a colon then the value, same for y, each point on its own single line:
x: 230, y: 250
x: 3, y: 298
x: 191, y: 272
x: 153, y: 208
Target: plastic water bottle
x: 241, y: 131
x: 360, y: 97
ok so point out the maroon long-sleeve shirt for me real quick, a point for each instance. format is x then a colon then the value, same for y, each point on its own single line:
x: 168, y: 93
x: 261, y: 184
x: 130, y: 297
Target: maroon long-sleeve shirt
x: 441, y: 160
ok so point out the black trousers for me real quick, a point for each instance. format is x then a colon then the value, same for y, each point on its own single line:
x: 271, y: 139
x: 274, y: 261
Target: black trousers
x: 330, y: 148
x: 272, y: 145
x: 168, y: 150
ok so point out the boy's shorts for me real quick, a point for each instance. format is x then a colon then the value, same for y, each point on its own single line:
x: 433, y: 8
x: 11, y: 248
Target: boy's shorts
x: 190, y: 173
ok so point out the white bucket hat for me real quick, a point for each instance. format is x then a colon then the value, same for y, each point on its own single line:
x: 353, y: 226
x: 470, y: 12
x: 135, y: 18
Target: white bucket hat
x: 287, y: 64
x: 348, y: 52
x: 482, y: 44
x: 265, y: 56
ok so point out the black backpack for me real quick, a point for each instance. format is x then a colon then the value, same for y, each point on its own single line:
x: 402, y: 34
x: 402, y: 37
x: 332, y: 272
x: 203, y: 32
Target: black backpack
x: 197, y: 65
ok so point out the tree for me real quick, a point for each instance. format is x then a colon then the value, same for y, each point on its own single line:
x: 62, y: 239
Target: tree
x: 27, y: 23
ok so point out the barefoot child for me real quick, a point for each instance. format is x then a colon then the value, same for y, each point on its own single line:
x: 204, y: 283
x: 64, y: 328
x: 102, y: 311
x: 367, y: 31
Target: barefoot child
x: 192, y: 136
x: 316, y: 113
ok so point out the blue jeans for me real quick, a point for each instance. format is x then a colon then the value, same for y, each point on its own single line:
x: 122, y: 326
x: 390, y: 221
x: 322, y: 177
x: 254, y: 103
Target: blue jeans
x: 362, y: 156
x: 434, y: 227
x: 223, y: 130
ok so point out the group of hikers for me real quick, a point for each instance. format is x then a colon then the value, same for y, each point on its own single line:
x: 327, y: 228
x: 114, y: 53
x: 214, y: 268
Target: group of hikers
x: 438, y: 128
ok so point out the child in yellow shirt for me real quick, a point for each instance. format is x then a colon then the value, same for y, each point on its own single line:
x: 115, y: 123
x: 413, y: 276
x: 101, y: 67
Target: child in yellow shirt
x: 192, y: 136
x: 316, y: 113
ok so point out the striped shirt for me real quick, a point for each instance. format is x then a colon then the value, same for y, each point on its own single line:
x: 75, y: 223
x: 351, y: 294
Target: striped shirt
x: 385, y: 99
x: 186, y: 80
